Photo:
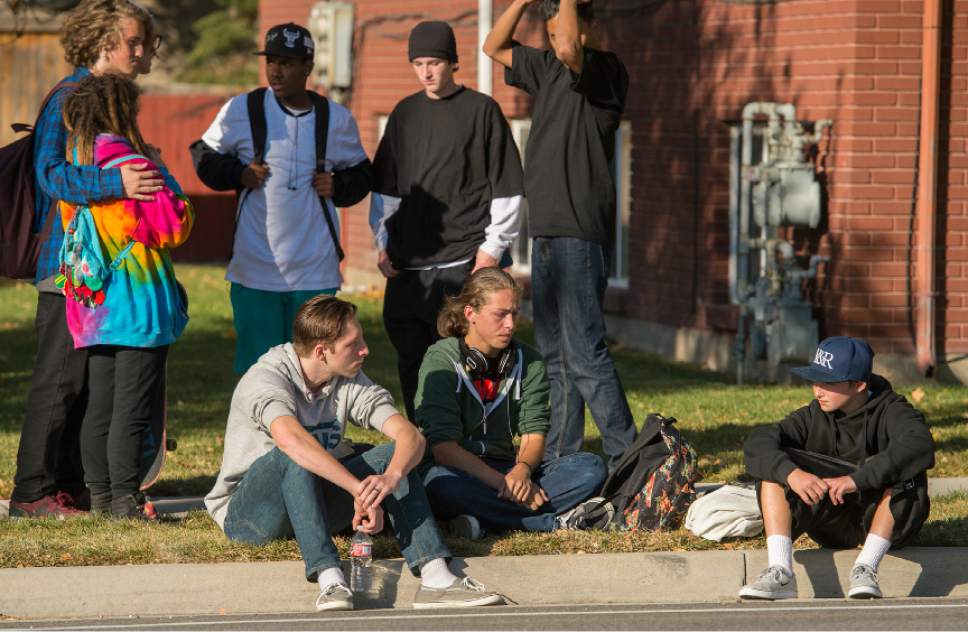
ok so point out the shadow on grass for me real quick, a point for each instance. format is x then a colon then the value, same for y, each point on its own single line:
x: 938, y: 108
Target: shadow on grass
x: 944, y: 532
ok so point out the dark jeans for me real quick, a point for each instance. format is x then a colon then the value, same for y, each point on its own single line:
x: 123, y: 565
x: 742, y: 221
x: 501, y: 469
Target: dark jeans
x: 277, y: 498
x: 568, y: 280
x: 49, y: 457
x: 567, y: 481
x: 410, y: 307
x: 126, y: 387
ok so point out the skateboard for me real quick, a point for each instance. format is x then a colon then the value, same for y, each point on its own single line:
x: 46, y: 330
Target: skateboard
x: 156, y: 443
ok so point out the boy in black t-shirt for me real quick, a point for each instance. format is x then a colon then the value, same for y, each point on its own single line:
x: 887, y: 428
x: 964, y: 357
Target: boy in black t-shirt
x: 446, y: 199
x: 579, y: 95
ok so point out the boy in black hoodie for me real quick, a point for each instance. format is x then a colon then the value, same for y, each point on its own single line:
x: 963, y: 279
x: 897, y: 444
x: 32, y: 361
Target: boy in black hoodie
x: 848, y: 469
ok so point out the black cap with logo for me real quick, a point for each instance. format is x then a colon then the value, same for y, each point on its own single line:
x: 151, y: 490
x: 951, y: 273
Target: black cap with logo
x: 288, y: 40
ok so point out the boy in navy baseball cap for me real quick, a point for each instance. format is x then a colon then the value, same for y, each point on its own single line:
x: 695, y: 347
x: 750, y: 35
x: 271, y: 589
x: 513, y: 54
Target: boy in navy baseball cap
x: 847, y: 469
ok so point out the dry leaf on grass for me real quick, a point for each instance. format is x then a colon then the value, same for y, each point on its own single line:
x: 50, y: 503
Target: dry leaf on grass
x: 917, y: 395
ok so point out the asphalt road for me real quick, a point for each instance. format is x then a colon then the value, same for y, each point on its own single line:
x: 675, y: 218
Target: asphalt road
x: 825, y: 614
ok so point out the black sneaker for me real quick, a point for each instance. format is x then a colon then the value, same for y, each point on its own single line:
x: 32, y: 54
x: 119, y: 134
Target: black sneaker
x: 134, y: 506
x: 465, y: 526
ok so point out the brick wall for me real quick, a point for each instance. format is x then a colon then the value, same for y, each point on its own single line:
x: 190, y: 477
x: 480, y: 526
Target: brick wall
x: 693, y: 65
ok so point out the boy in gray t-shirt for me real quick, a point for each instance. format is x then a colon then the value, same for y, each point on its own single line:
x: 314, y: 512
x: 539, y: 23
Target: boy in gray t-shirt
x: 281, y: 474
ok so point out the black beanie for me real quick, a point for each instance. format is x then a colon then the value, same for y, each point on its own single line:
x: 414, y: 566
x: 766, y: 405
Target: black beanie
x: 433, y: 39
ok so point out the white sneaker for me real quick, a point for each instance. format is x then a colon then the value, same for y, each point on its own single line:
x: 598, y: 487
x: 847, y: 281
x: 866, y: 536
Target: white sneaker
x: 775, y: 582
x: 334, y: 597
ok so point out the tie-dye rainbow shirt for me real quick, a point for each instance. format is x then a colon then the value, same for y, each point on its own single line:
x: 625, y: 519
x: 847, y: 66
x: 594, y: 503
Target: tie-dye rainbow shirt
x: 143, y: 304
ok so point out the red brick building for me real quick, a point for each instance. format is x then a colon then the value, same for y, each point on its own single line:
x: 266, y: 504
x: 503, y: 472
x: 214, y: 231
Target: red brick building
x: 693, y: 65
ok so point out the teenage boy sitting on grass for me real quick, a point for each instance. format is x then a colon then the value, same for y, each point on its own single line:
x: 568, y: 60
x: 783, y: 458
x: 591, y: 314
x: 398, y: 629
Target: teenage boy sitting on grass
x: 878, y: 498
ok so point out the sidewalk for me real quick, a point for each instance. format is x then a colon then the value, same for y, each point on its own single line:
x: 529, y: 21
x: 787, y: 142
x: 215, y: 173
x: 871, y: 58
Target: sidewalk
x: 628, y: 578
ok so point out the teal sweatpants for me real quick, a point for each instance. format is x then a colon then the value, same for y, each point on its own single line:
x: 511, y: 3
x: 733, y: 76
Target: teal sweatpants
x: 264, y: 319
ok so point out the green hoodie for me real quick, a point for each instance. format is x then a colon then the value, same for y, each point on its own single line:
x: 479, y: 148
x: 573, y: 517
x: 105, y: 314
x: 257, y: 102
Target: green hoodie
x: 448, y: 407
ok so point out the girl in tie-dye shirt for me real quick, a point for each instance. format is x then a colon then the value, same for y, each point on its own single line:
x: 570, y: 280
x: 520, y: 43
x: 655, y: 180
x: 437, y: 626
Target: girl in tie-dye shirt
x: 128, y: 322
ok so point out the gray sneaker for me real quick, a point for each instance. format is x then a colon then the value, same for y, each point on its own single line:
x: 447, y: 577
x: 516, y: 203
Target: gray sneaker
x: 466, y: 526
x: 576, y: 518
x: 775, y: 582
x: 463, y: 593
x: 334, y: 597
x: 863, y: 583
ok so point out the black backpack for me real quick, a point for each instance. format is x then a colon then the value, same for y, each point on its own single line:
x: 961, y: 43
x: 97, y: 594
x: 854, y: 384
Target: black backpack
x: 652, y: 485
x: 19, y: 244
x: 221, y: 172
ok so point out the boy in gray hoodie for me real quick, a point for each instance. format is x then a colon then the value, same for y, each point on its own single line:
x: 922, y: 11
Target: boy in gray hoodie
x: 281, y: 471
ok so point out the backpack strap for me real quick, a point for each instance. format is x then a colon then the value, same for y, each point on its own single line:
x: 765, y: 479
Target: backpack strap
x: 321, y: 105
x: 256, y: 105
x: 23, y: 127
x: 119, y: 259
x: 111, y: 164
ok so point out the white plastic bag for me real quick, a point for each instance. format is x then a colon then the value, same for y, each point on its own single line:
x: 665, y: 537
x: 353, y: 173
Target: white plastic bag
x: 729, y: 512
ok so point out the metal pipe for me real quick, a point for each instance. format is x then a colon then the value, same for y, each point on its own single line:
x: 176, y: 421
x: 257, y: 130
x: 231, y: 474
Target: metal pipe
x: 925, y: 314
x: 746, y: 161
x: 485, y: 68
x: 734, y: 179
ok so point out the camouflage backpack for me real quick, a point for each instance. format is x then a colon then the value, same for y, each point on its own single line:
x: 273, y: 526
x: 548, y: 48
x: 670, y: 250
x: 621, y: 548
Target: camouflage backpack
x: 652, y: 485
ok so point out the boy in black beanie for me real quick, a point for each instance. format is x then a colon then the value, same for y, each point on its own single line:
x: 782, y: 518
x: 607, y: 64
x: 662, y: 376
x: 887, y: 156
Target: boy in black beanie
x: 446, y: 199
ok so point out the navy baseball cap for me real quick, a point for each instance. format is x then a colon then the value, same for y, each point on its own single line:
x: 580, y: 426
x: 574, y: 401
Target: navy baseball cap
x: 839, y: 359
x: 288, y: 40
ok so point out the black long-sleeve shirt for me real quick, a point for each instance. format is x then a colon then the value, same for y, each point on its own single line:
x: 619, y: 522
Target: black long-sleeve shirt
x: 887, y: 438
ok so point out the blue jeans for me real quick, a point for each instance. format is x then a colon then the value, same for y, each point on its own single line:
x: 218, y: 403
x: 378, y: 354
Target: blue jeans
x: 277, y: 498
x: 567, y: 481
x: 568, y: 281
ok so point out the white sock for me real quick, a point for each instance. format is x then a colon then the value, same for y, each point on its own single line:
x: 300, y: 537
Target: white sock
x: 875, y: 547
x: 435, y: 574
x: 330, y: 576
x: 779, y: 550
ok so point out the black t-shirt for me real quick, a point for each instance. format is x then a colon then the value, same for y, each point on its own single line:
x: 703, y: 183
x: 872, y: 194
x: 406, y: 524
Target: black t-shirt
x: 568, y: 174
x: 446, y: 159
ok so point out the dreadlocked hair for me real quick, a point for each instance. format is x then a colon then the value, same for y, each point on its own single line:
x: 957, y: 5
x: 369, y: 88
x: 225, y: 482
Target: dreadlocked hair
x: 94, y: 27
x: 549, y: 9
x: 105, y: 104
x: 476, y: 291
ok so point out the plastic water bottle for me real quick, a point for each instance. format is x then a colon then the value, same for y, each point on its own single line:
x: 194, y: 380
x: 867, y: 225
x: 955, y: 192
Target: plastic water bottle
x: 361, y: 564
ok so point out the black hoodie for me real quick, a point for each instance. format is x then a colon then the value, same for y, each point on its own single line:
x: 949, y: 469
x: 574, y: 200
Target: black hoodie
x: 888, y: 439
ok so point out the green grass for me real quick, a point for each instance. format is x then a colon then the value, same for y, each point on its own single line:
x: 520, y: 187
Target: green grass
x: 714, y: 415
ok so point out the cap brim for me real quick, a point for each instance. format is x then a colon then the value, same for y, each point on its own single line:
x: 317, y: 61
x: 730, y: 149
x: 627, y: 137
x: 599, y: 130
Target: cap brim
x: 812, y: 374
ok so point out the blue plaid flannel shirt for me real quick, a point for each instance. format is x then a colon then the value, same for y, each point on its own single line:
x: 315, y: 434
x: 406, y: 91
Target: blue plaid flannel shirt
x: 57, y: 179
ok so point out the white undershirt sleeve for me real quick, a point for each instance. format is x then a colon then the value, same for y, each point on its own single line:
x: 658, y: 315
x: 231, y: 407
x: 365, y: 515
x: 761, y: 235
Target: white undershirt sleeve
x: 382, y: 208
x: 504, y: 226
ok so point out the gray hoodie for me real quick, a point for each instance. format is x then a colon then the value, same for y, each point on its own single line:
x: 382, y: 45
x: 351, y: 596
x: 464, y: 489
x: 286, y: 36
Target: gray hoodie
x: 274, y: 387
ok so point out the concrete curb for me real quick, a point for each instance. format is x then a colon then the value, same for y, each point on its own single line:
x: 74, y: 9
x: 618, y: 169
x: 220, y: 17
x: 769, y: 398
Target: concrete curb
x: 636, y: 578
